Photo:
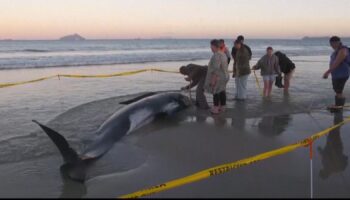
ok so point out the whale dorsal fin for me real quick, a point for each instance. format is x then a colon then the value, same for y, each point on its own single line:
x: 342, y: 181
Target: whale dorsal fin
x: 138, y: 98
x: 68, y: 154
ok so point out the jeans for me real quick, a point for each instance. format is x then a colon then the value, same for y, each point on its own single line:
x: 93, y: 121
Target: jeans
x: 241, y: 85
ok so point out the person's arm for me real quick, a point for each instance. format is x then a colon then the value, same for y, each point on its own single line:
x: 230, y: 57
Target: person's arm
x: 233, y: 52
x: 258, y: 65
x: 187, y: 86
x: 216, y: 66
x: 192, y: 78
x: 234, y: 70
x: 339, y: 59
x: 193, y: 83
x: 250, y: 51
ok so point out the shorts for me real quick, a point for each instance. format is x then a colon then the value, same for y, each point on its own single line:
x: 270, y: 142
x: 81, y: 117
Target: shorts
x: 269, y: 77
x: 339, y: 84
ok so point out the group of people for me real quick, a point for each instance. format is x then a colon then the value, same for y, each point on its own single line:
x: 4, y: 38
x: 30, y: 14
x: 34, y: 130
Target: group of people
x: 214, y: 77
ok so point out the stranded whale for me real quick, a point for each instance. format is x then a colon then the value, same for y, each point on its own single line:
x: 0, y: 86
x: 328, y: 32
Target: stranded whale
x: 126, y: 120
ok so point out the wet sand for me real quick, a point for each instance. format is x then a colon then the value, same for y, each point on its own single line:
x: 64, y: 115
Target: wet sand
x: 181, y: 145
x: 174, y: 147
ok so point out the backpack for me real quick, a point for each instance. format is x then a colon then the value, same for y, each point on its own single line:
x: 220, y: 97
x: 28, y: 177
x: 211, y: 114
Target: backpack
x: 349, y: 55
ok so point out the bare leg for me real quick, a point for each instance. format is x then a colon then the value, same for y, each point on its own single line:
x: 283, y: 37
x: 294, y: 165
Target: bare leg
x: 270, y: 88
x: 287, y: 79
x: 266, y: 88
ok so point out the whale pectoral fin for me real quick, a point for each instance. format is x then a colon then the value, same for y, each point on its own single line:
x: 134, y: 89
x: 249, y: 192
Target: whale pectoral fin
x: 137, y: 98
x: 68, y: 154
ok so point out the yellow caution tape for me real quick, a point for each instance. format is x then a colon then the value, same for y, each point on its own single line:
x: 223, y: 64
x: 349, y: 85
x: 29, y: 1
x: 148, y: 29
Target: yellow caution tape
x: 3, y: 85
x: 258, y: 83
x: 231, y: 166
x: 128, y: 73
x: 105, y: 75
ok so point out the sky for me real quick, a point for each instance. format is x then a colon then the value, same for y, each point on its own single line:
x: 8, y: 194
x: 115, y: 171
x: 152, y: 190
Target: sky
x: 124, y: 19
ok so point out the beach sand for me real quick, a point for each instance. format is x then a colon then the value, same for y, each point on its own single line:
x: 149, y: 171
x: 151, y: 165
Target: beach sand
x: 173, y: 147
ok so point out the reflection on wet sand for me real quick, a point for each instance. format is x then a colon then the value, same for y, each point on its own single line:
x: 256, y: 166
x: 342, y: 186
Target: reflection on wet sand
x: 239, y: 117
x: 70, y: 188
x: 332, y: 155
x: 273, y: 125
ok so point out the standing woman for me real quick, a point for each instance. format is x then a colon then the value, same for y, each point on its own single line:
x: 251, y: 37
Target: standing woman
x: 269, y: 65
x: 241, y: 70
x: 339, y: 69
x: 217, y: 77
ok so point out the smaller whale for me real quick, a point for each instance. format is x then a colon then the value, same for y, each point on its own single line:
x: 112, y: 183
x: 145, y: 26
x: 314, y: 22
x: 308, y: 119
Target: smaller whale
x: 139, y: 112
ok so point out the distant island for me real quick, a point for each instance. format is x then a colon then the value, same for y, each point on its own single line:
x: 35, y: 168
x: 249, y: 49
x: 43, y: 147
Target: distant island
x: 321, y: 38
x: 74, y: 37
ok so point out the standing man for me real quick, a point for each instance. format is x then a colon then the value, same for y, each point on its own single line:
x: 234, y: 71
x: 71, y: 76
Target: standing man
x: 234, y: 51
x: 241, y: 39
x: 339, y: 69
x: 196, y: 74
x: 241, y: 70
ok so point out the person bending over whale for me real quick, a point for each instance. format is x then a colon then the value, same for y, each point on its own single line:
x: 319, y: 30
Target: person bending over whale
x: 196, y: 74
x: 287, y: 68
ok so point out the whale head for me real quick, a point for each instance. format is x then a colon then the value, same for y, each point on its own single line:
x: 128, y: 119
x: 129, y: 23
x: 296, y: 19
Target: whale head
x: 182, y: 100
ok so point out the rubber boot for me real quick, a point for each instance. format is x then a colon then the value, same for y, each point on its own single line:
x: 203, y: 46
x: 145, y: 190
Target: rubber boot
x: 279, y: 82
x: 339, y: 104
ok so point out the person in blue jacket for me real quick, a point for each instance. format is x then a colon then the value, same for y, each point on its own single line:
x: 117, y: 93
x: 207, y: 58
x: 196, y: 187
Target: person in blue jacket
x: 339, y: 69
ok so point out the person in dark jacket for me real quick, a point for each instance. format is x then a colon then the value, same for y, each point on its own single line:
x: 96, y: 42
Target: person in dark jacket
x: 234, y: 50
x: 339, y: 69
x: 196, y: 74
x: 241, y: 70
x: 287, y: 68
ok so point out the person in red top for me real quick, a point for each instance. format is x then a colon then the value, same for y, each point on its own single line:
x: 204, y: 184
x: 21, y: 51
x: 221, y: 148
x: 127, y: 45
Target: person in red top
x: 225, y: 50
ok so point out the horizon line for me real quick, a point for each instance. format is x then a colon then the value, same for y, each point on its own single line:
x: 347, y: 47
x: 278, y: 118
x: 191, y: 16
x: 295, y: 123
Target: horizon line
x: 171, y: 38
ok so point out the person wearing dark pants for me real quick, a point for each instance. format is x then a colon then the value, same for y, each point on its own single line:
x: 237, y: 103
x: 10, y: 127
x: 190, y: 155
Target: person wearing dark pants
x: 196, y: 74
x: 217, y: 77
x: 339, y: 69
x: 220, y: 99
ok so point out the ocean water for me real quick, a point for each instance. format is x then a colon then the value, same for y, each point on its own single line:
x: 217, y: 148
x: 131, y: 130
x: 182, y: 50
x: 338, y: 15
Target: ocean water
x: 166, y: 149
x: 43, y: 54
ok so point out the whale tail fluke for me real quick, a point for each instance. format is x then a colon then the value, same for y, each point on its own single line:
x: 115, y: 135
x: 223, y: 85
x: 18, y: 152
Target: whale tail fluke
x: 74, y: 167
x: 69, y: 155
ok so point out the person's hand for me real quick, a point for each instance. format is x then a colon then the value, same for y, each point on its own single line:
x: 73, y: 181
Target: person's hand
x: 188, y: 79
x: 213, y: 82
x: 326, y: 74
